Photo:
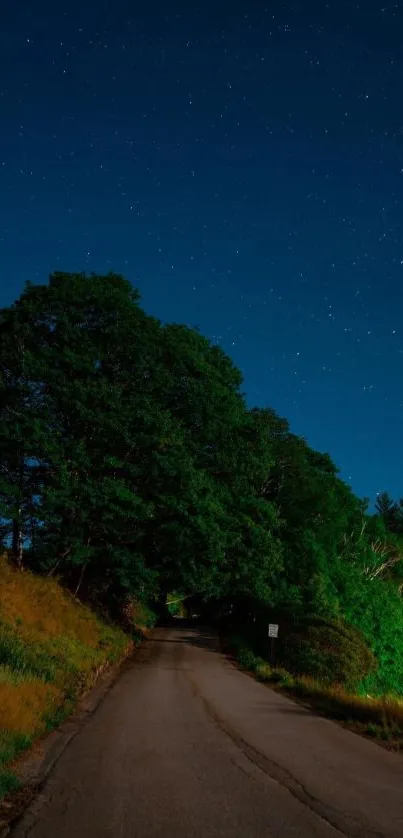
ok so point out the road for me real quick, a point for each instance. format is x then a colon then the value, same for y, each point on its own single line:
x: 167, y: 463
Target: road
x: 184, y: 744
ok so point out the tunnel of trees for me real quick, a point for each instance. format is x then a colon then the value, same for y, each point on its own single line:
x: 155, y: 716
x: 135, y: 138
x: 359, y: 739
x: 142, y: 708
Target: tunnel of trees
x: 131, y: 467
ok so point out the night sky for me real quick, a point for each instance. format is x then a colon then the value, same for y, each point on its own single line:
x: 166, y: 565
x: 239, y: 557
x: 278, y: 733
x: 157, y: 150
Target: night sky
x: 242, y: 163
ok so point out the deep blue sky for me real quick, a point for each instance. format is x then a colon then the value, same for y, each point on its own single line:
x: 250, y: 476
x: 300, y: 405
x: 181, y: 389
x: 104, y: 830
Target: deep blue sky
x: 243, y: 164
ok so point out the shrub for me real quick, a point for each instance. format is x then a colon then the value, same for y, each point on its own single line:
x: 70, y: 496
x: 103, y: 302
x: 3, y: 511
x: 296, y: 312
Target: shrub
x: 247, y: 658
x: 8, y: 782
x: 334, y: 653
x: 136, y: 616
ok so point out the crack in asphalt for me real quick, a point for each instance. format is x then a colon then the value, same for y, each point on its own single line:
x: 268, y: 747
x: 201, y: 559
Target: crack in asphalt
x: 42, y: 793
x: 281, y: 775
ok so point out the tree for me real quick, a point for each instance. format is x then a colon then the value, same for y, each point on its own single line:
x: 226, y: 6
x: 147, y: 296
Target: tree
x: 316, y: 509
x: 387, y: 509
x: 149, y: 459
x: 75, y: 411
x: 200, y: 388
x: 20, y: 477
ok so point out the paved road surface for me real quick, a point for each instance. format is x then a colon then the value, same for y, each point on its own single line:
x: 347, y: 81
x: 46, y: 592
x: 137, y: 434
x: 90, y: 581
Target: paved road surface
x: 185, y: 744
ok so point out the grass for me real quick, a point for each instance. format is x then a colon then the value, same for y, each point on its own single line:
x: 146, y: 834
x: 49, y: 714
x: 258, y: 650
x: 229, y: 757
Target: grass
x: 141, y: 617
x: 378, y: 717
x: 52, y: 648
x: 8, y: 783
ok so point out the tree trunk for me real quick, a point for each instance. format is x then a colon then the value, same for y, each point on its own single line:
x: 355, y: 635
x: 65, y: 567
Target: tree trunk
x: 80, y: 580
x: 33, y: 533
x: 17, y: 543
x: 17, y: 538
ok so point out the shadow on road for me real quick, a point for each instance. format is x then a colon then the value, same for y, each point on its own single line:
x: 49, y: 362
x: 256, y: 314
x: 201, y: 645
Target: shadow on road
x: 200, y: 640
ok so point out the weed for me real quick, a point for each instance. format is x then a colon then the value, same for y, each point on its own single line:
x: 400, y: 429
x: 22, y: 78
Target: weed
x: 8, y: 783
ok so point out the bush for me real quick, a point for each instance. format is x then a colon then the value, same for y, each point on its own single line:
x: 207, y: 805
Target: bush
x: 247, y: 658
x: 136, y: 617
x: 333, y: 653
x: 8, y: 783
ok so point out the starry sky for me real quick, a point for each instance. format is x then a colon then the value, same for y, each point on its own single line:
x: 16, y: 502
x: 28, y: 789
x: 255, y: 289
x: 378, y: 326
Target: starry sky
x: 242, y: 163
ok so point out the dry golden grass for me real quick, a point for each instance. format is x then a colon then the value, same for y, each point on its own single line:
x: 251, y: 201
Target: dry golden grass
x: 382, y: 716
x: 38, y: 607
x: 24, y: 705
x: 51, y: 649
x: 382, y: 711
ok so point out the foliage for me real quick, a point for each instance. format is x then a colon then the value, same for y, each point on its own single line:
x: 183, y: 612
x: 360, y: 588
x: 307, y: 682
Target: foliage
x: 137, y: 617
x: 8, y: 782
x: 390, y: 511
x: 375, y: 608
x: 176, y: 604
x: 334, y: 653
x: 331, y: 651
x: 137, y: 450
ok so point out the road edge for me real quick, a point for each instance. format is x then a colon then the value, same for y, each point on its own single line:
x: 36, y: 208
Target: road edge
x: 33, y: 767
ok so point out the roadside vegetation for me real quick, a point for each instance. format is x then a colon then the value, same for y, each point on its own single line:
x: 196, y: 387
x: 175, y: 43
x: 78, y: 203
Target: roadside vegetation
x: 132, y: 469
x: 380, y: 718
x: 52, y: 649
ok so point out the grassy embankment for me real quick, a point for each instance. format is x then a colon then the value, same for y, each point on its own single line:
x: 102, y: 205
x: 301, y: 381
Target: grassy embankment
x: 52, y: 649
x: 378, y: 717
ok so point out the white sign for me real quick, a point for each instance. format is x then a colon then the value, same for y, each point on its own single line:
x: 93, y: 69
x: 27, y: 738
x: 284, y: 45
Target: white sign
x: 273, y: 630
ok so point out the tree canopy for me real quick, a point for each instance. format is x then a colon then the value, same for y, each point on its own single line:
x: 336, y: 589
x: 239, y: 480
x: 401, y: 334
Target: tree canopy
x: 131, y: 465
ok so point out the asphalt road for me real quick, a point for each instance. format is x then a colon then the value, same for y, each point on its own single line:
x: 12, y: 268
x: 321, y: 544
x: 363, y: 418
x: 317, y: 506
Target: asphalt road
x: 184, y: 744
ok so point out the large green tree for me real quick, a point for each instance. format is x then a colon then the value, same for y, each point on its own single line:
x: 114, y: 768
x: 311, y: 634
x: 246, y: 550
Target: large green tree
x: 72, y: 332
x: 147, y: 454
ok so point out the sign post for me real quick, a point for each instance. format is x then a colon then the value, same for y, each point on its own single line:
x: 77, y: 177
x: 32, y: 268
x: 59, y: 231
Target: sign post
x: 273, y: 635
